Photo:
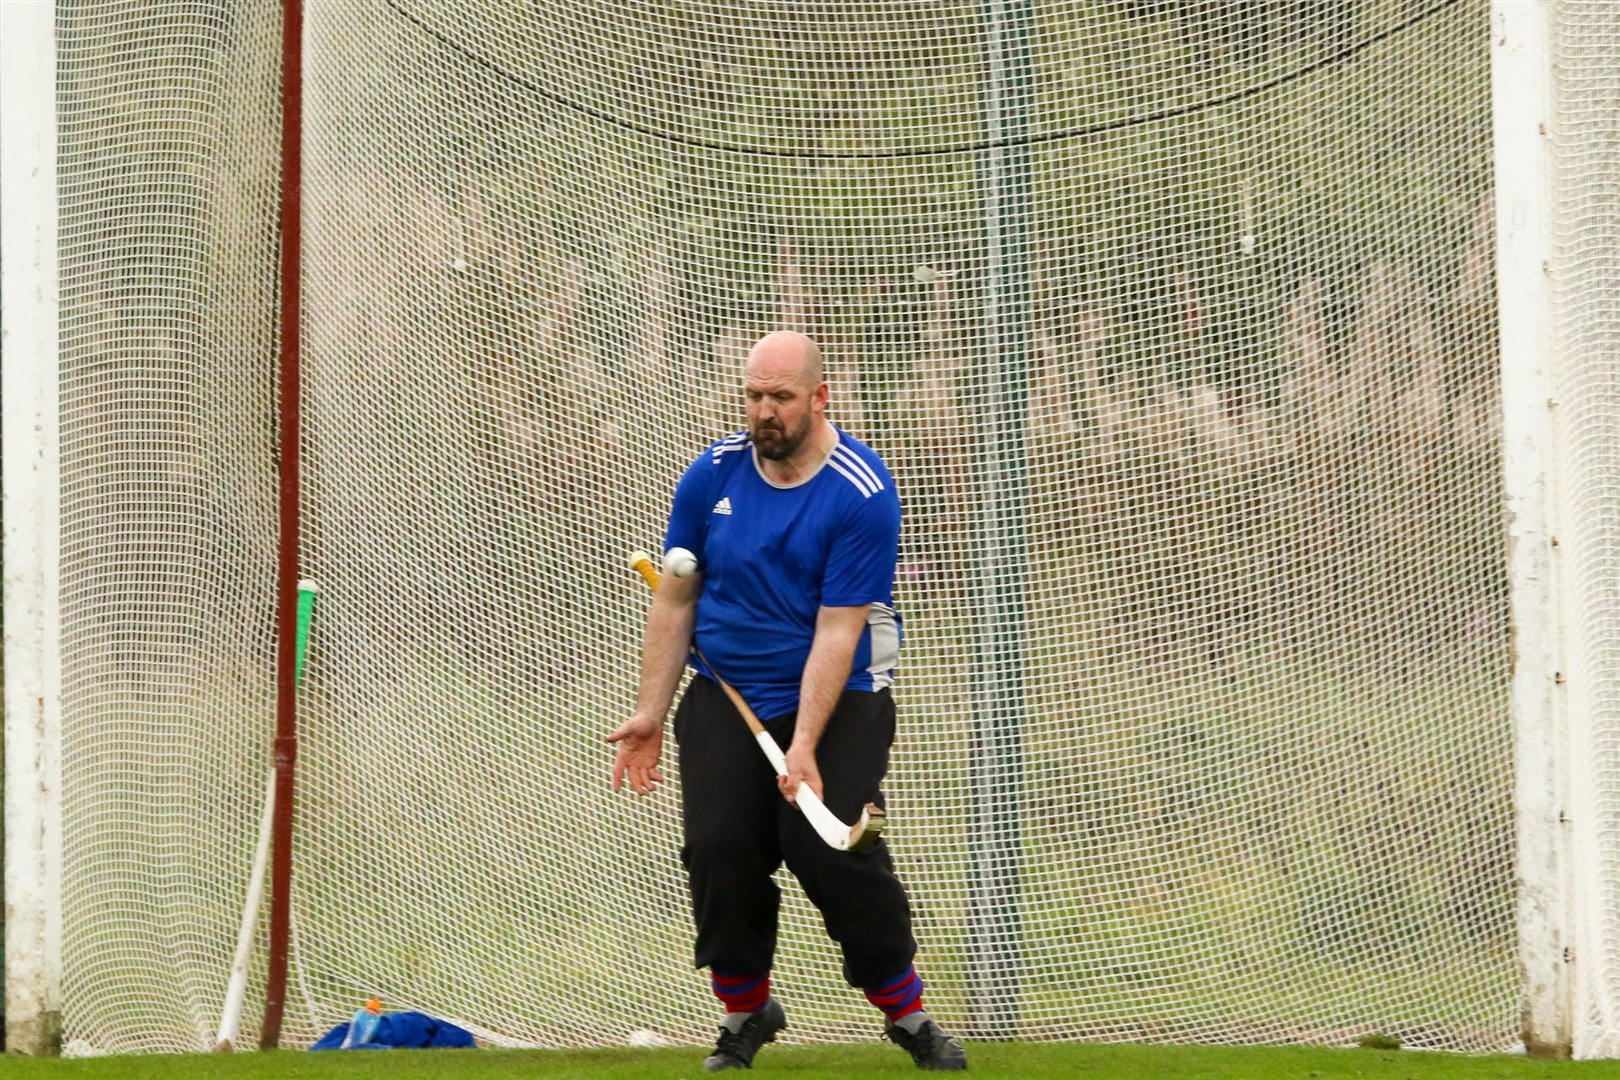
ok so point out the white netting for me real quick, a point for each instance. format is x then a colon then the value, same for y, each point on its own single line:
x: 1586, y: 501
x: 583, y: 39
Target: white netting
x: 1586, y: 215
x: 168, y: 128
x: 1175, y: 324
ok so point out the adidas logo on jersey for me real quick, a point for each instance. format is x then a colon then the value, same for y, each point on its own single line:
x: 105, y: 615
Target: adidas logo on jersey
x: 723, y: 506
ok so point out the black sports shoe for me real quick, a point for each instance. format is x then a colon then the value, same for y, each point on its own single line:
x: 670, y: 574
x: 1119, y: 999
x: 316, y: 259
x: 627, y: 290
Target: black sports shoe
x: 930, y: 1047
x: 736, y: 1049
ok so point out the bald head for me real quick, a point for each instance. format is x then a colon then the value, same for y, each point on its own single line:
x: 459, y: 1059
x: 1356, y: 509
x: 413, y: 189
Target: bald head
x: 786, y: 354
x: 787, y: 402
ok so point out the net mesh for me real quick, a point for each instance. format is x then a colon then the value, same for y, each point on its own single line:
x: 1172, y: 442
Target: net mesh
x: 1175, y: 324
x: 1586, y: 285
x: 168, y: 166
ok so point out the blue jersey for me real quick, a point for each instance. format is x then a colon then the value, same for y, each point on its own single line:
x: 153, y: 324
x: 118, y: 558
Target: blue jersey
x: 773, y: 556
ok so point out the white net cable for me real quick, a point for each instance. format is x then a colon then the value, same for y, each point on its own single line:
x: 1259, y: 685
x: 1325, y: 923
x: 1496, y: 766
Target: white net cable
x: 1175, y: 324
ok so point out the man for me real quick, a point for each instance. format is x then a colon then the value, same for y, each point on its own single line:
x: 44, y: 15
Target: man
x: 796, y: 526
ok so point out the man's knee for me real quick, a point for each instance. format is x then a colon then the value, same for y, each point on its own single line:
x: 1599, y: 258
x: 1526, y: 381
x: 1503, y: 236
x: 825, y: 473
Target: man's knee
x: 726, y: 861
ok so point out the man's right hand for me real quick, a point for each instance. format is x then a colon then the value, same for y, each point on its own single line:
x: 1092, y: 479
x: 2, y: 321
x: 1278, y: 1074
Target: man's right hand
x: 641, y: 740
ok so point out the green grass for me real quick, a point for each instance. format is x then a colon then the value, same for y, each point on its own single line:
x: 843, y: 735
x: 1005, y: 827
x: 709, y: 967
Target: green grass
x: 1092, y: 1062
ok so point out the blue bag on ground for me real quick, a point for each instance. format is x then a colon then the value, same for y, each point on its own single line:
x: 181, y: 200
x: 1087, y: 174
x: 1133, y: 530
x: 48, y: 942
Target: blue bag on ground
x: 401, y: 1030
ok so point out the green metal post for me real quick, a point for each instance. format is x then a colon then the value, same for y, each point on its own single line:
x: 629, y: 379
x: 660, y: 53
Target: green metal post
x: 995, y: 897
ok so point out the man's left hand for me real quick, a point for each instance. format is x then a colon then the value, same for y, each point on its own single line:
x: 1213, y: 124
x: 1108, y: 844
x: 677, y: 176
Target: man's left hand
x: 801, y: 769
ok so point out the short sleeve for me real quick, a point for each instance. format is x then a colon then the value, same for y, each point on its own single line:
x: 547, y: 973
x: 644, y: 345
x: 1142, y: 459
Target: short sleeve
x: 860, y: 565
x: 689, y: 512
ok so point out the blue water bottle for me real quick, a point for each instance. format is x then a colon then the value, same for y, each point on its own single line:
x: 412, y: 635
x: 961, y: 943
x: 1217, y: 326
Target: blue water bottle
x: 364, y: 1025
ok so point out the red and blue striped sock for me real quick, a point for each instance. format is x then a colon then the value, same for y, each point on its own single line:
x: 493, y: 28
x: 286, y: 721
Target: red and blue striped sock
x: 741, y: 992
x: 900, y: 996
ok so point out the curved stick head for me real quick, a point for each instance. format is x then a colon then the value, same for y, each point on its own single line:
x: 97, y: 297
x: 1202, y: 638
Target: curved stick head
x: 865, y: 833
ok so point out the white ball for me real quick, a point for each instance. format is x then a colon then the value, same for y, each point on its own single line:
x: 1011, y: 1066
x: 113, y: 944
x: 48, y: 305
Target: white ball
x: 680, y: 562
x: 645, y: 1038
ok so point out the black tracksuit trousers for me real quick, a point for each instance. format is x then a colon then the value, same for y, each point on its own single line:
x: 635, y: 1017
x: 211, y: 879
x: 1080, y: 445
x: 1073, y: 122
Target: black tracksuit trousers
x: 739, y: 829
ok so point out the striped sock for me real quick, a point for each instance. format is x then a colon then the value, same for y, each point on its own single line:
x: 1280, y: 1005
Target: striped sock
x: 741, y: 993
x: 900, y: 996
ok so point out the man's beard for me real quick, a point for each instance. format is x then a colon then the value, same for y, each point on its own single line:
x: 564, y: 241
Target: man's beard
x: 785, y: 445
